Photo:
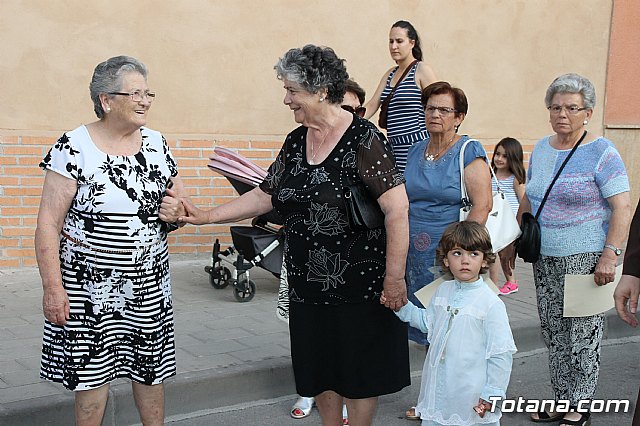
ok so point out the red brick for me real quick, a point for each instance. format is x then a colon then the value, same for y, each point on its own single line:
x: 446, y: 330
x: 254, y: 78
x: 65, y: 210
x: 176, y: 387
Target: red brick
x: 187, y: 153
x: 236, y: 145
x: 29, y: 221
x: 23, y: 191
x: 19, y: 211
x: 9, y: 263
x: 9, y: 242
x: 196, y: 144
x: 24, y: 150
x: 29, y: 161
x: 275, y: 145
x: 9, y: 140
x: 9, y: 180
x: 32, y: 181
x: 19, y: 252
x: 30, y: 261
x: 18, y: 232
x: 8, y: 160
x: 39, y: 140
x: 22, y: 170
x: 9, y: 201
x: 31, y: 201
x: 193, y: 162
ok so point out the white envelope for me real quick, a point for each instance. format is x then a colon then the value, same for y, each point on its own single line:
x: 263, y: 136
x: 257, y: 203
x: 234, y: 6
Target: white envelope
x: 425, y: 294
x: 582, y: 297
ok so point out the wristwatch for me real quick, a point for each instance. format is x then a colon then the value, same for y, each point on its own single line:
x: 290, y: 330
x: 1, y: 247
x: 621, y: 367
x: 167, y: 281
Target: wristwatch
x: 613, y: 248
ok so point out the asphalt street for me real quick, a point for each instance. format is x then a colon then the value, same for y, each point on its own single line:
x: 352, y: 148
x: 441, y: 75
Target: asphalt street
x: 619, y: 379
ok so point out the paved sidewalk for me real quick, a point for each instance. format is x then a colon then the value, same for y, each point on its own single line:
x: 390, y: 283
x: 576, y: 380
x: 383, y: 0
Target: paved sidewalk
x: 227, y: 352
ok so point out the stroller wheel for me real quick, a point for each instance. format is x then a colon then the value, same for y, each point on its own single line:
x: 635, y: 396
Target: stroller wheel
x: 244, y: 290
x: 219, y: 277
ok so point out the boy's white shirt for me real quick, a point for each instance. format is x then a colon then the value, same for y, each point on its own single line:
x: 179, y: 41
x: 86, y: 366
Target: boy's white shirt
x: 471, y: 352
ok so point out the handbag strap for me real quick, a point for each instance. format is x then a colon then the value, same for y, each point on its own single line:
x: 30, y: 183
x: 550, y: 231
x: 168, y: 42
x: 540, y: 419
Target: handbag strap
x: 387, y: 100
x: 466, y: 202
x: 566, y: 160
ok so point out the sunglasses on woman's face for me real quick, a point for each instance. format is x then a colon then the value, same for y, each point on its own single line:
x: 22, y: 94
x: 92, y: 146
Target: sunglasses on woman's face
x: 359, y: 111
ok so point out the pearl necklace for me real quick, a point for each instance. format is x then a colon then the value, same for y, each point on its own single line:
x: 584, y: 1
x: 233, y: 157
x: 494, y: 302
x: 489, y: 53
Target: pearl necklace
x: 433, y: 157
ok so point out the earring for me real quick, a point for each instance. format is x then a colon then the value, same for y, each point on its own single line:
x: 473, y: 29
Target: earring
x: 585, y: 122
x: 321, y: 99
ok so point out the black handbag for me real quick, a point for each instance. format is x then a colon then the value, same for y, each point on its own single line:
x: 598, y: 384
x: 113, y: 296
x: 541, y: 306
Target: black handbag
x: 363, y: 212
x: 528, y: 245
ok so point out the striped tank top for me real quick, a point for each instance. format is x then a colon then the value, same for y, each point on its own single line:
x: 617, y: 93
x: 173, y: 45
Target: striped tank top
x: 405, y: 119
x: 506, y: 185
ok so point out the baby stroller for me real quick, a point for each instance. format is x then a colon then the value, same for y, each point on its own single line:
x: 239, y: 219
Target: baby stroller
x: 257, y: 245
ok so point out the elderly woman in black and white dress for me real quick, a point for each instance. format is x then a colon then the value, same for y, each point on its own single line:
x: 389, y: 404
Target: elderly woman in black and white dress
x: 101, y: 246
x: 343, y: 342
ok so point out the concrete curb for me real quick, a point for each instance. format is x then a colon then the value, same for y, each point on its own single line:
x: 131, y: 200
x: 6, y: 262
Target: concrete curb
x: 220, y: 387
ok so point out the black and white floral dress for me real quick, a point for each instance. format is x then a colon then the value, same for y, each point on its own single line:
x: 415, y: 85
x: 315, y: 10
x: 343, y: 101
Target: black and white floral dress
x: 115, y: 266
x: 335, y: 275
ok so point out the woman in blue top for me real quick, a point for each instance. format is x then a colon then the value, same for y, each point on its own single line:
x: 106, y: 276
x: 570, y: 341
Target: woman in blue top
x: 433, y: 186
x: 405, y: 118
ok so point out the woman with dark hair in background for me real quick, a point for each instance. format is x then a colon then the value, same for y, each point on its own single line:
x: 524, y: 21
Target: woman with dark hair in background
x: 405, y: 118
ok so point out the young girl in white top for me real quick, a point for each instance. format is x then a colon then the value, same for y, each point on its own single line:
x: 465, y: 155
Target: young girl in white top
x: 469, y: 360
x: 507, y: 163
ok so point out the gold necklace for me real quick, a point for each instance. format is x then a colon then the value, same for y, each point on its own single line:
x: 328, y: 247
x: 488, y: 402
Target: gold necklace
x: 313, y: 151
x: 432, y: 157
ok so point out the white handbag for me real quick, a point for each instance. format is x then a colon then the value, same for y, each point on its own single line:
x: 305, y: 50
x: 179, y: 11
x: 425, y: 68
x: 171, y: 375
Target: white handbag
x: 501, y: 222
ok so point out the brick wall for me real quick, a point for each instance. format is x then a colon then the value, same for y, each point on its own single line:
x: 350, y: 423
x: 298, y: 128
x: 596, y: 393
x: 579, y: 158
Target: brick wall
x: 21, y: 186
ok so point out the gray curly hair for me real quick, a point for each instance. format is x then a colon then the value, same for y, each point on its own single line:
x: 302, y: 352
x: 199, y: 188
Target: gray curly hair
x: 107, y: 77
x: 572, y: 83
x: 315, y: 68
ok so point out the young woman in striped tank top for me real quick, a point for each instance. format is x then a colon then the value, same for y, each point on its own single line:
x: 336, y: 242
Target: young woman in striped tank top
x: 405, y: 119
x: 507, y: 163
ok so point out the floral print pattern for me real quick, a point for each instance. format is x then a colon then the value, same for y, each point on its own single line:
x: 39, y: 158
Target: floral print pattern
x: 326, y: 261
x: 117, y: 275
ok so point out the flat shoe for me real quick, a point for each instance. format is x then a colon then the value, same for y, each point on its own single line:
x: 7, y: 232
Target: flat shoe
x: 302, y: 408
x: 411, y: 414
x: 544, y: 417
x: 584, y: 420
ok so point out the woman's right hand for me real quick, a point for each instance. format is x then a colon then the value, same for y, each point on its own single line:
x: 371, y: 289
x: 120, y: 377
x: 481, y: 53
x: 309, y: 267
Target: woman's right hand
x: 194, y: 215
x: 55, y: 305
x: 395, y: 293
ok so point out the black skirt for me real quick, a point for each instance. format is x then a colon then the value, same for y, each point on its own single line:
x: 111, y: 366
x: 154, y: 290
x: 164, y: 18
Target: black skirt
x: 357, y: 350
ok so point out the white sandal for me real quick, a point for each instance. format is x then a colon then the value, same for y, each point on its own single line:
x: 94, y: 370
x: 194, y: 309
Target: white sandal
x: 302, y: 407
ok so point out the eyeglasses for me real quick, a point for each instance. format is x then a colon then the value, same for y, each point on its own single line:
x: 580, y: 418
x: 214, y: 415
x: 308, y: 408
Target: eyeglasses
x: 430, y: 109
x: 136, y: 95
x: 359, y: 111
x: 571, y: 109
